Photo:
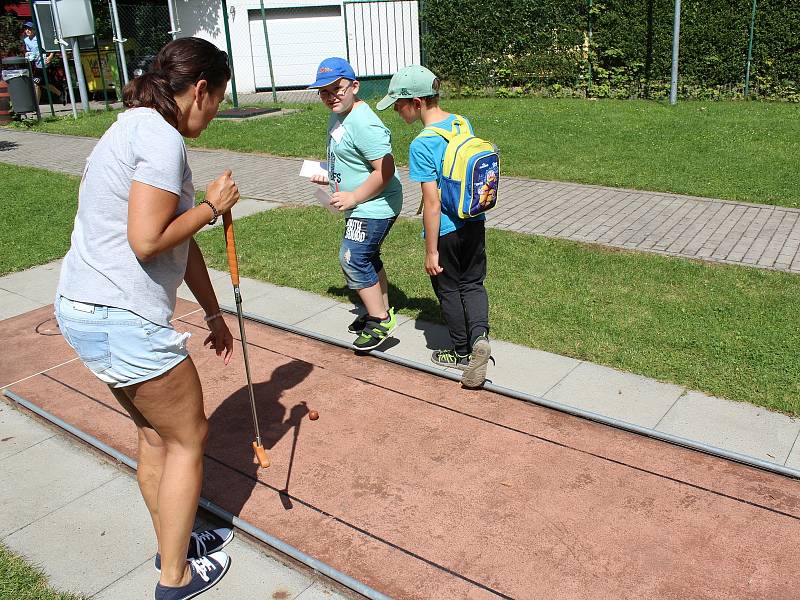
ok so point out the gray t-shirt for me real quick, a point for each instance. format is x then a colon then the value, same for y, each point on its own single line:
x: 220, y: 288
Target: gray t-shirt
x: 100, y: 267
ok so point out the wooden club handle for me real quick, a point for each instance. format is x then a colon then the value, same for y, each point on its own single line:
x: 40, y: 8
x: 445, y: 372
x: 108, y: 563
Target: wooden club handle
x: 230, y: 247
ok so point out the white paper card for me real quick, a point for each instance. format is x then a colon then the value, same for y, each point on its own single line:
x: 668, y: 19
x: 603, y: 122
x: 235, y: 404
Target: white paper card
x: 337, y: 133
x: 313, y: 167
x: 324, y: 199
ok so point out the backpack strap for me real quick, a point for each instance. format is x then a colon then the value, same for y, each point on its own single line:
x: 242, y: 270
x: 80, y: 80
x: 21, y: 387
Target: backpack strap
x: 459, y: 127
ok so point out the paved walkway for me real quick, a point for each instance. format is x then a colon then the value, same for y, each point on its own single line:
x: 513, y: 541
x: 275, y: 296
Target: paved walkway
x: 715, y: 230
x: 679, y: 225
x: 81, y: 519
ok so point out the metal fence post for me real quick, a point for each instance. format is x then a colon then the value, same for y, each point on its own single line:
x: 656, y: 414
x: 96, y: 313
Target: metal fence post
x: 589, y: 49
x: 676, y: 36
x: 423, y: 30
x: 749, y: 52
x: 174, y: 28
x: 61, y: 44
x: 117, y: 37
x: 234, y: 95
x: 269, y: 53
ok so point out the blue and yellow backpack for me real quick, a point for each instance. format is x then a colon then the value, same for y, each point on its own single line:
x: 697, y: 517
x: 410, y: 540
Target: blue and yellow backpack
x: 470, y: 171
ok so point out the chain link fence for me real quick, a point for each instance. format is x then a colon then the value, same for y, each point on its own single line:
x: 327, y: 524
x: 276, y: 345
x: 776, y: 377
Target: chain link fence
x: 145, y: 26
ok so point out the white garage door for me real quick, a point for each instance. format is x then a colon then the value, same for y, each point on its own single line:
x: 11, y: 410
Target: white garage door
x: 299, y: 39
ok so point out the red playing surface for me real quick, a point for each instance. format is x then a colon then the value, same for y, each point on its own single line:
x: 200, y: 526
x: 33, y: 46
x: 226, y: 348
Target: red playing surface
x: 422, y: 489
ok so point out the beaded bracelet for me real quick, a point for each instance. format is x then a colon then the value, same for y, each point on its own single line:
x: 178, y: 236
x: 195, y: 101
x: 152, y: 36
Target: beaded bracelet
x: 208, y: 318
x: 213, y: 209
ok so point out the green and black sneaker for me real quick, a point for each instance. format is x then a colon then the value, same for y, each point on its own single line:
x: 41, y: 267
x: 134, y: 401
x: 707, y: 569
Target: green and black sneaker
x: 375, y: 332
x: 450, y: 358
x: 357, y: 326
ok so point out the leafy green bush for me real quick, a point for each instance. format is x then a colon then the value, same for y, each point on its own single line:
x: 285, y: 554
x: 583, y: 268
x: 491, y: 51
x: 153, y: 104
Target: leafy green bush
x: 532, y: 46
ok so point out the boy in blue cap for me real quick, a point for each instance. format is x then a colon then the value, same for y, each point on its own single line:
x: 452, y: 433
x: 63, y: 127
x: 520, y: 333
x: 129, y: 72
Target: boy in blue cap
x: 455, y: 248
x: 365, y: 187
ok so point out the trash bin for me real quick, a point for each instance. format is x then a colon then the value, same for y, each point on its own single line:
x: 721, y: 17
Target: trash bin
x: 20, y: 86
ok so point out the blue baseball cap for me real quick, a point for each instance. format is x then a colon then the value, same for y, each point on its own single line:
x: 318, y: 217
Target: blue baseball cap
x: 28, y: 24
x: 331, y: 70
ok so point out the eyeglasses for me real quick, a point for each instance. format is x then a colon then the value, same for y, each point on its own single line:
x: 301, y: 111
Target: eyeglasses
x: 339, y: 93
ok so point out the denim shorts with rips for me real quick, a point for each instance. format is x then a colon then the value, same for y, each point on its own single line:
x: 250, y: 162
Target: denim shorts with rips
x: 360, y: 252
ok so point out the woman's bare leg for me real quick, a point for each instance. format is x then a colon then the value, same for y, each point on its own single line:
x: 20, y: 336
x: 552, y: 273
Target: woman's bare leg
x: 173, y: 405
x: 150, y: 458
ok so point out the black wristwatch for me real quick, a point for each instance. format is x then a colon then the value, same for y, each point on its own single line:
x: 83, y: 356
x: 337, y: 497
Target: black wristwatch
x: 214, y: 210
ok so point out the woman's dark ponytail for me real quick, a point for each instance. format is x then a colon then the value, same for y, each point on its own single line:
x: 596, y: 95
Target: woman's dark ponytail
x: 179, y: 64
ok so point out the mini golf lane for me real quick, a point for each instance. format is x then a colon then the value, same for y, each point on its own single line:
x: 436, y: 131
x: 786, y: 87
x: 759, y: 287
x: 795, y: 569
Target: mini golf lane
x: 423, y: 490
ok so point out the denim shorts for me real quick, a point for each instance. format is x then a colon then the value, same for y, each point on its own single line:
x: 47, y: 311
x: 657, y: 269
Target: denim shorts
x: 118, y: 346
x: 360, y: 252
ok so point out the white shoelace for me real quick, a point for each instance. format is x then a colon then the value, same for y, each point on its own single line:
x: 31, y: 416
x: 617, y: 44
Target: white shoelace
x: 200, y: 541
x: 203, y: 566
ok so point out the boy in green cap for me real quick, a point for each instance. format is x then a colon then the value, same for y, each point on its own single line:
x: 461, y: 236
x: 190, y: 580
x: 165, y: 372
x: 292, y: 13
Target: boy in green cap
x: 455, y: 248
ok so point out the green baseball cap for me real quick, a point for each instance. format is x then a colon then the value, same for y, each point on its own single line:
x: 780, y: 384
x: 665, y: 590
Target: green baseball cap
x: 413, y: 81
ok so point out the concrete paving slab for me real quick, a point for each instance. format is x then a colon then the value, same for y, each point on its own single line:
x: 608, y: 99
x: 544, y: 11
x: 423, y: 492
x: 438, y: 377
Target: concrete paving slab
x: 526, y: 369
x: 283, y: 304
x: 18, y: 432
x: 37, y: 284
x: 250, y: 289
x: 13, y: 304
x: 253, y: 576
x: 415, y: 340
x: 133, y: 585
x: 794, y: 456
x: 624, y: 396
x: 28, y: 494
x: 318, y: 591
x: 333, y: 321
x: 731, y: 425
x: 109, y: 524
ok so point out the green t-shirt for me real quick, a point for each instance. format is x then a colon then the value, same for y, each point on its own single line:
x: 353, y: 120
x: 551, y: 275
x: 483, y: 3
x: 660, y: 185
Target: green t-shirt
x: 352, y: 143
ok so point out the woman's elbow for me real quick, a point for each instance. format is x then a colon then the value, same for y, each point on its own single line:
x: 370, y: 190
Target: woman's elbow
x: 143, y: 251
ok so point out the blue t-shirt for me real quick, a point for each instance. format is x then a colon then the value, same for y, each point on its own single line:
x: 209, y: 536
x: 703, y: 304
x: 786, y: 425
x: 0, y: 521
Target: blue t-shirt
x: 32, y: 50
x: 362, y: 138
x: 425, y: 158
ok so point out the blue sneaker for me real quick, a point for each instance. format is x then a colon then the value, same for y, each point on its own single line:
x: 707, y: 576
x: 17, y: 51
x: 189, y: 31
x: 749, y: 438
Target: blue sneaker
x: 203, y: 543
x: 206, y: 573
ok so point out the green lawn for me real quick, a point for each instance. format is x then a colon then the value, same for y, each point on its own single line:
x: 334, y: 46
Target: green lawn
x: 20, y: 581
x: 38, y: 209
x: 725, y: 330
x: 735, y: 150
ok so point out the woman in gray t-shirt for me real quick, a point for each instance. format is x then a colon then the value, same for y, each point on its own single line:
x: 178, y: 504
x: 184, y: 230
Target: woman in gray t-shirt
x: 131, y: 248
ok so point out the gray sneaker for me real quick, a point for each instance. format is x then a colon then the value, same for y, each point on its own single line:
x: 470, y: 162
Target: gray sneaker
x: 475, y: 373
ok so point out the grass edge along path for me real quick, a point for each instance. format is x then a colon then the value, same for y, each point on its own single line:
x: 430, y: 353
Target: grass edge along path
x: 21, y: 581
x: 38, y: 210
x: 730, y: 150
x: 724, y: 330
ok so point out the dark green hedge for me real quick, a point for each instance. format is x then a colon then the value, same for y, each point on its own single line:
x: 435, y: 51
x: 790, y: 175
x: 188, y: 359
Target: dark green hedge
x: 534, y: 44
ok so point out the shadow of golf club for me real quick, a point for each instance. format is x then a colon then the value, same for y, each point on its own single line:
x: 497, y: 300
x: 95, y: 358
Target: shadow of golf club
x: 232, y: 423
